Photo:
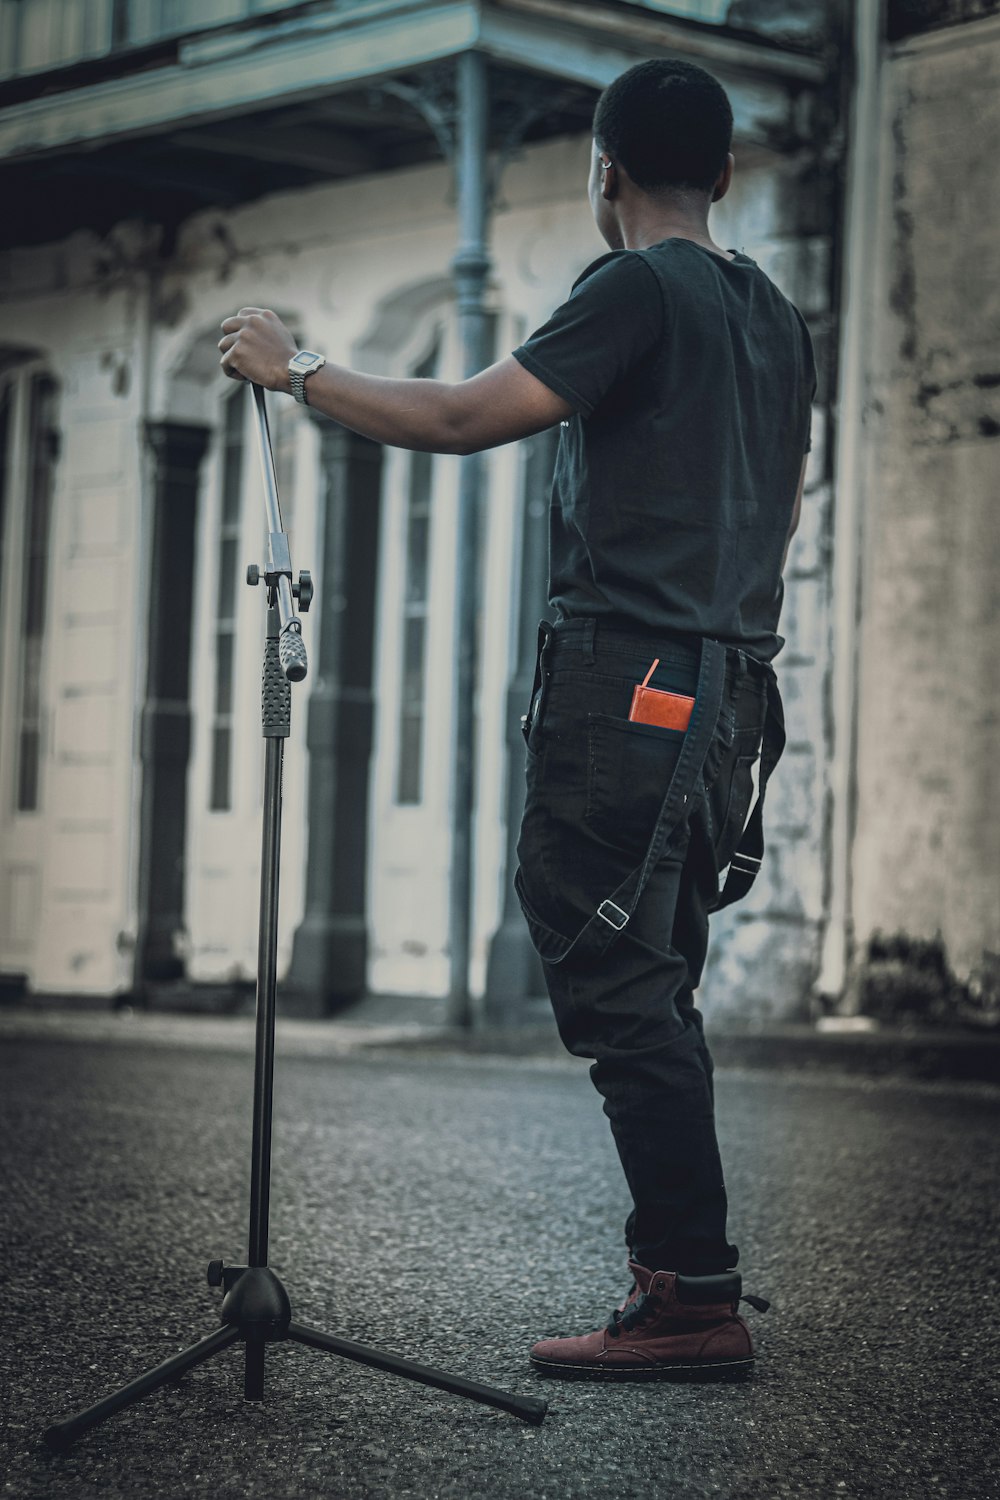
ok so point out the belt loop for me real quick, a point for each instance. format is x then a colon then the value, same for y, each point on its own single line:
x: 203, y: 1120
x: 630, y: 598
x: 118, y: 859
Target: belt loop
x: 589, y: 658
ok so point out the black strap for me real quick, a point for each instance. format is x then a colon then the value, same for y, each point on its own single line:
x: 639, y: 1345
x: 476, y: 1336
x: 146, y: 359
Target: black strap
x: 746, y: 861
x: 614, y: 912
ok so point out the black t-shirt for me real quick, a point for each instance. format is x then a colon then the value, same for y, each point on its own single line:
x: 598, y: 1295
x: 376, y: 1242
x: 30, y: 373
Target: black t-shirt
x: 691, y: 379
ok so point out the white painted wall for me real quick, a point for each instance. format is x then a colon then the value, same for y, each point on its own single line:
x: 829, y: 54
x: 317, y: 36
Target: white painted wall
x: 71, y: 899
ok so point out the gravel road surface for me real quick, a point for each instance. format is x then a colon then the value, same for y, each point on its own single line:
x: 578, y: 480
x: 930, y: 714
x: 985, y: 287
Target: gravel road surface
x: 453, y: 1210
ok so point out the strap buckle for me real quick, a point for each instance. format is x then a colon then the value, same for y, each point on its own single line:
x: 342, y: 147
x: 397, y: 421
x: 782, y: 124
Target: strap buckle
x: 612, y: 914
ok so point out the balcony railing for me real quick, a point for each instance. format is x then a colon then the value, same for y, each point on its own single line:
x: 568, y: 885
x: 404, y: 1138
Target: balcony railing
x: 39, y: 35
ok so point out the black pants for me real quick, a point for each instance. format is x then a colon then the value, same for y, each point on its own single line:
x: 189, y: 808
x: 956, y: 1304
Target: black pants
x: 595, y: 783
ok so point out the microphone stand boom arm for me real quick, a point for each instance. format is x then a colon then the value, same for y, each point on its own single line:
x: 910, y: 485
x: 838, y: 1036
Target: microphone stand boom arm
x: 255, y: 1306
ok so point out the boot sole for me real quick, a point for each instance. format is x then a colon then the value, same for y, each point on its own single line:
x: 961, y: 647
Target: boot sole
x: 720, y: 1369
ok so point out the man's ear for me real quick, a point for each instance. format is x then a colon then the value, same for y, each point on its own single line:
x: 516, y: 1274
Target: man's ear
x: 609, y: 179
x: 724, y: 179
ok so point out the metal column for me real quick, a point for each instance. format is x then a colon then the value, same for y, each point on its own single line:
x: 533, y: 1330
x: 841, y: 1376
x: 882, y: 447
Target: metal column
x: 471, y: 267
x: 514, y: 972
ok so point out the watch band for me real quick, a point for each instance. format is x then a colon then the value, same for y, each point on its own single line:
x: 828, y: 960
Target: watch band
x: 300, y: 367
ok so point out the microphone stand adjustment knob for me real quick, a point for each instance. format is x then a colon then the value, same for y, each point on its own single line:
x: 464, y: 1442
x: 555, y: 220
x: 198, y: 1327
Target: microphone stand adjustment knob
x: 215, y: 1272
x: 253, y: 575
x: 303, y: 590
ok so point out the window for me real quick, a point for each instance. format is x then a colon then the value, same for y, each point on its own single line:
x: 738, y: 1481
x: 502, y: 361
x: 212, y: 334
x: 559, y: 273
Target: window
x: 40, y: 34
x: 41, y: 453
x: 409, y: 770
x: 220, y: 789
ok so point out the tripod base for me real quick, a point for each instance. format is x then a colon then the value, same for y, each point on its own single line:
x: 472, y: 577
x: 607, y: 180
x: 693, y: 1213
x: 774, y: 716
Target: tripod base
x: 256, y: 1309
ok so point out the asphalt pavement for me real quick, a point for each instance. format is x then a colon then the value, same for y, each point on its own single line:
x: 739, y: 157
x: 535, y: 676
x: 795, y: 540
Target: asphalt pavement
x: 452, y: 1209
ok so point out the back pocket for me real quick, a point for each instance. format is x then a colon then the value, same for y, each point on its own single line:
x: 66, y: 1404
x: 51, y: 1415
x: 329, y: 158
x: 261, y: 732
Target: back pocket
x: 629, y: 767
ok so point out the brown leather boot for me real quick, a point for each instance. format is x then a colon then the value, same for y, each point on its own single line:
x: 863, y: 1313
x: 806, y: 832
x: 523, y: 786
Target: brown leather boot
x: 640, y: 1284
x: 670, y: 1327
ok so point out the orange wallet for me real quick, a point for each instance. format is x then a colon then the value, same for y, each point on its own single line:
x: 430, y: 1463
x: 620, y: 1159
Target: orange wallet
x: 653, y: 706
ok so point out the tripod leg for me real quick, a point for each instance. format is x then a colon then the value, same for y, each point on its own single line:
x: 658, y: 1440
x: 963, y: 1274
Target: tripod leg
x: 526, y: 1407
x: 253, y: 1381
x: 61, y: 1434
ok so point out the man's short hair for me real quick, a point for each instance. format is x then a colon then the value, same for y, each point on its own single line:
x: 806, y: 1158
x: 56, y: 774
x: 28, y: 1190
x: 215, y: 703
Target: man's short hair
x: 668, y: 123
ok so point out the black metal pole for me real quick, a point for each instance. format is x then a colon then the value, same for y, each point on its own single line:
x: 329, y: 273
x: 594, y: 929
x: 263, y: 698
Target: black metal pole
x: 60, y: 1435
x: 291, y: 651
x: 284, y: 662
x: 267, y: 961
x: 528, y: 1408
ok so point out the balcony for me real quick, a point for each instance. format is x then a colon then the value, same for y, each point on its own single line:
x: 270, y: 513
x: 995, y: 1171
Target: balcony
x: 43, y: 35
x: 153, y: 109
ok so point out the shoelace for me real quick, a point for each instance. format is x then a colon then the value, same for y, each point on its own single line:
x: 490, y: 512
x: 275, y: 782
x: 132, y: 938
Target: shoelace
x: 642, y: 1308
x: 646, y: 1305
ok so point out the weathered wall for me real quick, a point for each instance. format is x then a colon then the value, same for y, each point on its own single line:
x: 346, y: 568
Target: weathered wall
x: 764, y: 952
x: 927, y: 846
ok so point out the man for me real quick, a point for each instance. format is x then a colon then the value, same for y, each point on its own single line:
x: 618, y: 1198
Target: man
x: 683, y: 381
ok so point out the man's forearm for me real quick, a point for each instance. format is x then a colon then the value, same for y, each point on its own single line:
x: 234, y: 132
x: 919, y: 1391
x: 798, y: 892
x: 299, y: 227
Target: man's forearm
x: 419, y: 414
x: 497, y: 406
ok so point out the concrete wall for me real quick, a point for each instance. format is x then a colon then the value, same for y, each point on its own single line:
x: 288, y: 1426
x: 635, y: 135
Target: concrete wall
x: 927, y: 843
x: 764, y: 952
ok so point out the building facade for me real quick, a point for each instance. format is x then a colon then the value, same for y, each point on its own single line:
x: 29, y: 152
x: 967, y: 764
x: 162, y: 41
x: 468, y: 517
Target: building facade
x: 347, y: 165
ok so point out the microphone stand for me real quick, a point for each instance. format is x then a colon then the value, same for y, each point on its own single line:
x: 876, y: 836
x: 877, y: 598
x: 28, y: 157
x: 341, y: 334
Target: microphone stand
x: 255, y: 1306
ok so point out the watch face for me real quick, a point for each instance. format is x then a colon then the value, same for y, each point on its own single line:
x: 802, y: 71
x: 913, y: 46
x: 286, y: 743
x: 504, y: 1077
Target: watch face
x: 304, y: 359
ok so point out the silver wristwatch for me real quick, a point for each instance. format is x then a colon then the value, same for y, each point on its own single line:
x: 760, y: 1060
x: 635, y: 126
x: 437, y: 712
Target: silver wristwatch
x: 300, y: 366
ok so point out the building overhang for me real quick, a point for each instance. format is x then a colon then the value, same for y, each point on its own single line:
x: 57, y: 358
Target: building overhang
x: 294, y: 99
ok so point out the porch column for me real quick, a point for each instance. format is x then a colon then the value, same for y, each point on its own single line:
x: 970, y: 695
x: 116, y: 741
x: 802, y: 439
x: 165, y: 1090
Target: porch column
x: 165, y: 718
x: 471, y: 267
x: 330, y: 948
x: 514, y: 971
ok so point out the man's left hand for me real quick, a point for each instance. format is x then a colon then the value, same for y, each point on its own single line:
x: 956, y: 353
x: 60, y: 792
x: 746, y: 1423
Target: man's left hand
x: 257, y: 346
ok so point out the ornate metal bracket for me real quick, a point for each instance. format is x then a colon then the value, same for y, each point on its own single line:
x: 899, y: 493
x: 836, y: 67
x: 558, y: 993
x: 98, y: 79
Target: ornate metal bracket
x: 434, y: 95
